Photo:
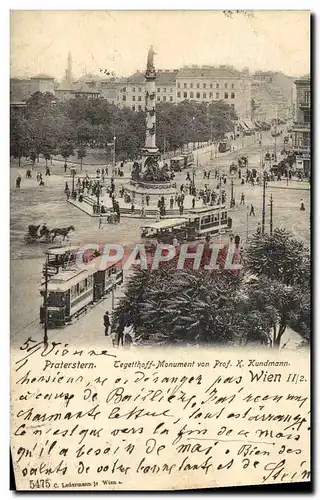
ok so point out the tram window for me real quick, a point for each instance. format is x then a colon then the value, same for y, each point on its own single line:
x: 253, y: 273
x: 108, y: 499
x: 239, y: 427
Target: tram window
x: 78, y: 288
x: 216, y: 218
x: 206, y: 219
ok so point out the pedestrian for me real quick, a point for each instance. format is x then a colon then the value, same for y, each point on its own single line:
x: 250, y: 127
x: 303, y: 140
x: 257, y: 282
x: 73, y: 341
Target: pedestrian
x: 252, y: 211
x: 259, y: 229
x: 107, y: 323
x: 242, y: 199
x: 65, y: 167
x: 302, y: 207
x: 171, y: 202
x: 193, y: 202
x: 47, y: 171
x: 147, y: 200
x: 66, y: 188
x: 18, y: 181
x: 132, y: 208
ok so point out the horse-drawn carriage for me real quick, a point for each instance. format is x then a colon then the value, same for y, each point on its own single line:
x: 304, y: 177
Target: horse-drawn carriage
x: 45, y: 235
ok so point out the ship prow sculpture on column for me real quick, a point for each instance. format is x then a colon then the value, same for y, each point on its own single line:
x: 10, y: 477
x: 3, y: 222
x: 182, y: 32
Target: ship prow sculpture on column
x: 147, y: 177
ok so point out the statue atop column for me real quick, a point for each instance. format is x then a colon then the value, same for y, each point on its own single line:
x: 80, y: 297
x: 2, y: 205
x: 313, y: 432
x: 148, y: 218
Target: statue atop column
x: 150, y: 64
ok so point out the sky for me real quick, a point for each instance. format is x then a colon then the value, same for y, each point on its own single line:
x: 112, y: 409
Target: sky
x: 119, y: 41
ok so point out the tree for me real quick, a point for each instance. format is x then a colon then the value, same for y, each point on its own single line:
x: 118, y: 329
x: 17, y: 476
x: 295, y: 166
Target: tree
x: 278, y: 256
x: 82, y: 153
x: 282, y: 303
x: 66, y: 150
x: 282, y: 266
x: 171, y: 306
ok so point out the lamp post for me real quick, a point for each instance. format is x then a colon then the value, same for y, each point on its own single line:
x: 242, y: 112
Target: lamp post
x: 232, y: 202
x: 264, y: 202
x: 247, y: 226
x: 45, y: 304
x: 211, y: 148
x: 114, y: 285
x: 114, y: 152
x: 73, y: 175
x: 271, y: 214
x: 193, y: 176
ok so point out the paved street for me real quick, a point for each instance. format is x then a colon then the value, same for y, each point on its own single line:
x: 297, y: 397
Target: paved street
x: 32, y: 204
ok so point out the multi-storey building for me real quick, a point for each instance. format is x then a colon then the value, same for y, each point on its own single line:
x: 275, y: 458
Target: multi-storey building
x: 22, y: 88
x: 207, y: 84
x: 301, y: 127
x: 131, y: 91
x: 272, y: 94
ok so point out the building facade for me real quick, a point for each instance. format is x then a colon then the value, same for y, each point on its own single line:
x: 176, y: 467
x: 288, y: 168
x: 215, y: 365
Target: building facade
x: 301, y: 129
x: 207, y: 84
x: 272, y: 96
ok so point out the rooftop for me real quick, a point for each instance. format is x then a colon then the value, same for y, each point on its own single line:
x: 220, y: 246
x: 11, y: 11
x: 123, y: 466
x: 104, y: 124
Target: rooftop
x: 42, y: 76
x: 208, y: 72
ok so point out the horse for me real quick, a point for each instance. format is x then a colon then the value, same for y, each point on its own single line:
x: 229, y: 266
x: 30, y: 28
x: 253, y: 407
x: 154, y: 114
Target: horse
x: 64, y: 231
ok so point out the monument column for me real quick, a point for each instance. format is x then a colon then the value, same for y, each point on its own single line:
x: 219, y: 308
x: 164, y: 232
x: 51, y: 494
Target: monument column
x: 150, y: 75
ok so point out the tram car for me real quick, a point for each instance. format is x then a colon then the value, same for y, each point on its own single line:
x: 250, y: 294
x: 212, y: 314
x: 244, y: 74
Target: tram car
x: 59, y: 258
x: 73, y: 289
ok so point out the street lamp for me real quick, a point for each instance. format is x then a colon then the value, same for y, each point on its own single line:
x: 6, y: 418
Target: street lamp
x: 73, y: 173
x: 271, y: 214
x: 193, y: 176
x: 264, y: 201
x: 247, y: 226
x: 232, y: 201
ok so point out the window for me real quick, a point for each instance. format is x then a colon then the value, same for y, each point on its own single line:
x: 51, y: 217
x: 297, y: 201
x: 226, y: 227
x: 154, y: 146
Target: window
x: 217, y: 95
x: 210, y: 95
x: 165, y: 89
x: 139, y: 107
x: 158, y: 90
x: 178, y: 94
x: 139, y: 97
x: 171, y: 98
x: 225, y: 85
x: 198, y: 95
x: 185, y: 86
x: 226, y: 95
x: 178, y: 85
x: 158, y: 98
x: 139, y: 89
x: 185, y: 95
x: 232, y: 106
x: 164, y: 98
x: 211, y: 86
x: 171, y: 89
x: 133, y: 108
x: 191, y: 95
x: 133, y: 89
x: 232, y: 95
x: 306, y: 116
x: 232, y: 85
x: 217, y: 85
x: 133, y: 97
x: 191, y: 85
x: 204, y: 85
x: 307, y: 97
x: 124, y: 98
x: 204, y: 95
x: 198, y: 85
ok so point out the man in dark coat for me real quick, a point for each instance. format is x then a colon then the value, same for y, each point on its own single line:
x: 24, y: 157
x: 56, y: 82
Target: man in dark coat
x: 106, y: 322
